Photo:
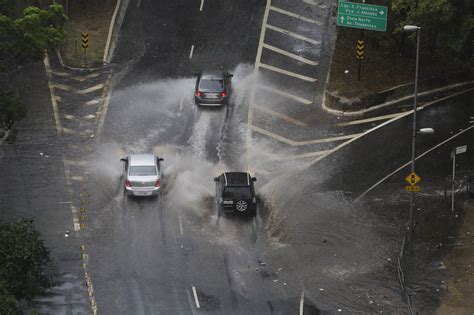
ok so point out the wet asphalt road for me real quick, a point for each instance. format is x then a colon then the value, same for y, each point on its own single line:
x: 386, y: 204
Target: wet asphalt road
x: 163, y: 256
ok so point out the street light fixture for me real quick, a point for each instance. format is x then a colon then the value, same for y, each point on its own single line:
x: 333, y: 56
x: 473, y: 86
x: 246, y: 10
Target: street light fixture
x: 413, y: 28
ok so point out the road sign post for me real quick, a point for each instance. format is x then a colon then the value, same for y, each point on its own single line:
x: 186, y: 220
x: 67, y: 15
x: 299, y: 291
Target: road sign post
x: 85, y: 45
x: 361, y: 15
x: 456, y: 151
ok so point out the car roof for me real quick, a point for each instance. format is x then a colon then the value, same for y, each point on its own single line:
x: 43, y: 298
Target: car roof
x: 212, y: 74
x: 237, y: 179
x: 142, y: 159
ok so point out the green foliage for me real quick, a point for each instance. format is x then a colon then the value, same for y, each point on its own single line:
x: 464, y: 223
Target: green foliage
x: 8, y: 303
x: 7, y: 8
x: 28, y: 36
x: 446, y: 25
x: 23, y: 257
x: 11, y: 108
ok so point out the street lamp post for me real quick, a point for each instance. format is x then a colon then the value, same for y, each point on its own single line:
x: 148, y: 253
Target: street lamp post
x: 413, y: 28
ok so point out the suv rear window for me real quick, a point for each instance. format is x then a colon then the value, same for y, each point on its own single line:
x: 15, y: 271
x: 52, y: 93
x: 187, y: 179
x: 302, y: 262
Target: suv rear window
x: 211, y: 84
x: 145, y: 170
x: 237, y: 192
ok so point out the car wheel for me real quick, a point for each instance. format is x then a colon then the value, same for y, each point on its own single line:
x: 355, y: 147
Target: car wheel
x: 241, y: 205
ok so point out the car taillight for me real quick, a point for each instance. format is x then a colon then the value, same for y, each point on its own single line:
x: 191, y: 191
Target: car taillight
x: 157, y: 184
x: 223, y: 94
x: 198, y: 94
x: 128, y: 184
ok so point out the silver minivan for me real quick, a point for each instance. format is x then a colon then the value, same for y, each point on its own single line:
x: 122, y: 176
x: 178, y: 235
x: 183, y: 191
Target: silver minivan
x: 142, y: 175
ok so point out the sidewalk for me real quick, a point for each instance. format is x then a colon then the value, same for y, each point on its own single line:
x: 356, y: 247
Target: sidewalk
x: 459, y: 298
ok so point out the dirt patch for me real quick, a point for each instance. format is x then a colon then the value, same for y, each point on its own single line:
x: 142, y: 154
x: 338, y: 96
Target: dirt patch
x: 459, y: 296
x: 93, y: 18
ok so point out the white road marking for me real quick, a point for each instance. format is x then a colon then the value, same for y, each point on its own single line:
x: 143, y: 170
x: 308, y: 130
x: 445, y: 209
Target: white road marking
x: 363, y: 121
x: 68, y: 131
x: 83, y: 91
x: 408, y: 163
x: 70, y: 117
x: 262, y: 35
x: 75, y: 219
x: 61, y: 74
x: 108, y: 47
x: 300, y: 143
x: 202, y: 5
x: 300, y: 156
x: 301, y: 302
x: 298, y: 16
x: 181, y: 104
x: 196, y: 297
x: 181, y: 231
x: 291, y: 55
x: 191, y: 52
x: 102, y: 112
x: 78, y: 178
x: 280, y: 115
x: 285, y: 94
x: 77, y: 78
x: 51, y: 91
x: 288, y: 73
x: 92, y: 102
x: 89, y: 116
x: 313, y: 2
x: 295, y: 35
x: 67, y: 175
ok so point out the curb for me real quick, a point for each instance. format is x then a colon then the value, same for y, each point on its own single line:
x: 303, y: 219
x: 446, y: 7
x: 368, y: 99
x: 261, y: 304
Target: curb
x: 394, y: 102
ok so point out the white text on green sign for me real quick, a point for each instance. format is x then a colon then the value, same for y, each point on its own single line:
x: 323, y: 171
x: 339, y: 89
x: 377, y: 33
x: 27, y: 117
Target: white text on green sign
x: 361, y: 15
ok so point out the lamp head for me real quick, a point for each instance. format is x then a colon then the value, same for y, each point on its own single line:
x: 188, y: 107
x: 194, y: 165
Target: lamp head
x: 411, y: 28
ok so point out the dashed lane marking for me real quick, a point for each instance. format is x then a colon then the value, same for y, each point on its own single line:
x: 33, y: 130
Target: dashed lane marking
x: 408, y: 163
x: 301, y: 302
x: 90, y: 287
x: 300, y: 143
x: 180, y: 220
x: 298, y: 16
x: 300, y: 156
x: 191, y: 52
x: 291, y: 55
x: 316, y: 4
x: 288, y: 73
x: 202, y: 5
x: 67, y: 174
x: 280, y: 115
x: 363, y: 121
x: 196, y: 297
x: 295, y: 35
x: 285, y: 94
x: 51, y: 91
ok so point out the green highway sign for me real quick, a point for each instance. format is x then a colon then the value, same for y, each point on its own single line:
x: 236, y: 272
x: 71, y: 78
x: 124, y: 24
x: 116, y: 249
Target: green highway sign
x: 361, y: 15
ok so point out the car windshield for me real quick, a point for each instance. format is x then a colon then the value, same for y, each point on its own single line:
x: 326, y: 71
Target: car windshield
x: 237, y: 192
x: 143, y: 170
x: 211, y: 85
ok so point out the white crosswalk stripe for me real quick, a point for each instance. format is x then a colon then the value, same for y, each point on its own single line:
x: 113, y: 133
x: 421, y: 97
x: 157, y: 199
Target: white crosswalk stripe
x: 286, y: 72
x: 295, y: 35
x: 298, y: 16
x: 288, y: 54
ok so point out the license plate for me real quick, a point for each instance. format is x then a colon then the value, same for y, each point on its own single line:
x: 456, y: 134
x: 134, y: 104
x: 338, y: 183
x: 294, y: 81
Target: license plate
x: 142, y: 193
x: 212, y: 96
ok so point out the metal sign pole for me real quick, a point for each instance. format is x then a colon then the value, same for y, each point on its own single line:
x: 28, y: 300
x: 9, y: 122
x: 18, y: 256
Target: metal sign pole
x: 452, y: 188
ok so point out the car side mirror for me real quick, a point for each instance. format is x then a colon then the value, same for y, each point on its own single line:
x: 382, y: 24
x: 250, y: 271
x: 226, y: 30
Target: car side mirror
x: 254, y: 179
x: 161, y: 159
x: 229, y: 75
x: 216, y: 179
x: 123, y: 160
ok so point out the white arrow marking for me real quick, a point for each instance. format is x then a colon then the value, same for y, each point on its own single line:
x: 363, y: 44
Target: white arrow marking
x: 381, y: 12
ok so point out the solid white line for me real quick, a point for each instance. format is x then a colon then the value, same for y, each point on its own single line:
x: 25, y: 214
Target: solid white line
x: 288, y: 54
x: 301, y: 302
x: 107, y: 55
x: 288, y: 73
x: 363, y: 121
x: 191, y: 52
x: 102, y: 112
x: 298, y: 16
x: 181, y: 104
x: 285, y: 94
x: 408, y: 163
x: 280, y: 115
x: 51, y: 91
x: 306, y: 39
x: 202, y: 5
x: 196, y: 297
x: 300, y: 156
x: 300, y: 143
x: 262, y: 35
x: 181, y: 231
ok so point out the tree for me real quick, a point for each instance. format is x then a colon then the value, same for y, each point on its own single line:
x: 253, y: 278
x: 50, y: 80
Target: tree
x: 11, y: 108
x: 8, y: 303
x: 23, y: 258
x: 28, y: 36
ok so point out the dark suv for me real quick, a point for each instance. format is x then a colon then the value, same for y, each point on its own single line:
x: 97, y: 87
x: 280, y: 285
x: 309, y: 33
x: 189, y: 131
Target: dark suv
x: 213, y: 88
x: 236, y: 193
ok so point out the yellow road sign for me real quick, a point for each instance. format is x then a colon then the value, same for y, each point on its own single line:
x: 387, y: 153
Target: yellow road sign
x: 412, y: 188
x: 85, y: 40
x: 412, y: 179
x: 360, y: 49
